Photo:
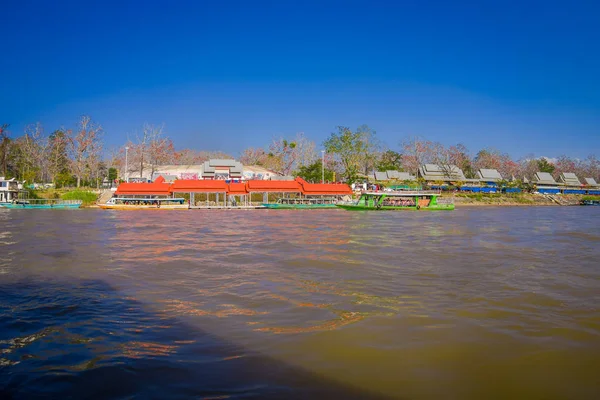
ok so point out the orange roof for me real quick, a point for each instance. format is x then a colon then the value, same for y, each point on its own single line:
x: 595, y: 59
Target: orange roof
x: 193, y: 185
x: 273, y: 186
x: 326, y: 188
x: 237, y: 188
x: 157, y: 187
x: 323, y: 188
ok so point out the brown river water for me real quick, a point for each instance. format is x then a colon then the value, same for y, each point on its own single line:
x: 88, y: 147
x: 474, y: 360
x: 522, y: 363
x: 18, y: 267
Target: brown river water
x: 478, y: 303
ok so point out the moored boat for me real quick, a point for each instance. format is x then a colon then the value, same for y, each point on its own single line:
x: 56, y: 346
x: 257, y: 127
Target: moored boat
x: 400, y: 200
x: 590, y: 202
x: 145, y: 203
x: 56, y: 204
x: 302, y: 203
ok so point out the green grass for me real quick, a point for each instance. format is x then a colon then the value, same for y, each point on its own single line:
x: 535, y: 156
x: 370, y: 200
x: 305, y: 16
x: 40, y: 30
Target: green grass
x: 86, y: 197
x: 591, y: 198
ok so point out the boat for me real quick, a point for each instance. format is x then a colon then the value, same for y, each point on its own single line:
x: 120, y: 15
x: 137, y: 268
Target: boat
x: 590, y: 202
x: 302, y: 203
x: 56, y: 204
x: 145, y: 203
x: 399, y: 200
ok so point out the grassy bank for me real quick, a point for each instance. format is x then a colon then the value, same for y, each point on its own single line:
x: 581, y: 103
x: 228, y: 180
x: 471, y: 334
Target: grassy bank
x: 87, y: 197
x: 511, y: 199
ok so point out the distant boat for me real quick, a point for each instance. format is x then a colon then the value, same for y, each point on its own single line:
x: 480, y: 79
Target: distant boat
x: 400, y: 200
x: 55, y: 204
x: 590, y: 202
x: 145, y: 203
x: 302, y: 203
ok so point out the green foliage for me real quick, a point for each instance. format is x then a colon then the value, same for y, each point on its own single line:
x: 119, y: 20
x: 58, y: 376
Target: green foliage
x: 32, y: 193
x: 112, y: 174
x: 350, y: 148
x: 85, y: 196
x: 389, y: 161
x: 545, y: 166
x: 65, y: 178
x: 313, y: 173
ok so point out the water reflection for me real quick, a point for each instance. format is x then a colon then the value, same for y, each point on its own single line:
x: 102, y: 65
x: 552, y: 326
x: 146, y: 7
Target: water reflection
x: 376, y: 302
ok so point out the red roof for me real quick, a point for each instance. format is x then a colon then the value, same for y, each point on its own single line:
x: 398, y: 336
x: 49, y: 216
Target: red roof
x: 237, y: 188
x: 274, y: 186
x: 324, y: 188
x: 157, y: 187
x: 298, y: 185
x: 193, y: 185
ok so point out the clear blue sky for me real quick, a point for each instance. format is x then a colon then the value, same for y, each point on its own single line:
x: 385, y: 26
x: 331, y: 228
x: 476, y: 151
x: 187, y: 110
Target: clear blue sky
x: 520, y: 76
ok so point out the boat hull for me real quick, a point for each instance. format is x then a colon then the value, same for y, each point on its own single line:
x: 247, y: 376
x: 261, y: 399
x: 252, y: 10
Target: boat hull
x: 143, y: 207
x: 279, y: 206
x: 43, y: 204
x: 439, y: 207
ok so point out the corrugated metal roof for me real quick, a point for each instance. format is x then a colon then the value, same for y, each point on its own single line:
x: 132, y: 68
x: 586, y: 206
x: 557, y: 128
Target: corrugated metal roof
x: 591, y: 181
x: 570, y: 179
x: 544, y: 178
x: 489, y: 174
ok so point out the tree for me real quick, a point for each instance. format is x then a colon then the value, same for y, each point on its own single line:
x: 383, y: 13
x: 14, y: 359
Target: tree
x: 459, y: 156
x: 33, y: 153
x: 4, y: 148
x: 545, y: 166
x: 564, y: 164
x: 314, y: 173
x: 371, y: 148
x: 58, y: 159
x: 151, y: 149
x: 527, y: 167
x: 253, y: 156
x: 350, y: 148
x: 389, y: 160
x: 416, y: 151
x: 113, y: 174
x: 84, y: 147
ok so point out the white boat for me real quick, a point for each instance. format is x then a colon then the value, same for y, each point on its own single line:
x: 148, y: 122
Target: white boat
x: 145, y: 203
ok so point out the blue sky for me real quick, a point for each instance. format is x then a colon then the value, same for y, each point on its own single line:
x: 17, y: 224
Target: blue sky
x: 224, y: 75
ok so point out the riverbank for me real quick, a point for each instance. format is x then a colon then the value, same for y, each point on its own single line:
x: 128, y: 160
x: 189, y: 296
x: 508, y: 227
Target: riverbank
x: 513, y: 199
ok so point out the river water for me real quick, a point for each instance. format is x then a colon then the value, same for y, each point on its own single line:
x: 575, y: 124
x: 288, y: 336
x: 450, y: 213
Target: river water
x: 478, y: 303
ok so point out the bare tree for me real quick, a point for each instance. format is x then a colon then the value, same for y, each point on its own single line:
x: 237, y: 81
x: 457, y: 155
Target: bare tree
x: 84, y: 147
x: 253, y: 156
x: 416, y: 151
x: 33, y: 147
x: 151, y: 149
x: 4, y: 148
x: 57, y: 159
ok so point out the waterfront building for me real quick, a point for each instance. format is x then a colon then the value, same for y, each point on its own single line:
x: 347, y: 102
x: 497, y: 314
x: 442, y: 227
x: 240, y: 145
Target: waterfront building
x: 571, y: 183
x: 214, y: 169
x: 9, y: 190
x: 593, y: 188
x: 384, y: 176
x: 545, y: 183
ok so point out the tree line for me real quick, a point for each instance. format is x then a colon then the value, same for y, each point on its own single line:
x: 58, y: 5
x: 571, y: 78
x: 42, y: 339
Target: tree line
x: 77, y: 156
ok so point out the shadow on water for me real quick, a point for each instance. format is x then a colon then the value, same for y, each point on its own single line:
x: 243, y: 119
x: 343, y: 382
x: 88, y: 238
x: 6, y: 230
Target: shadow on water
x: 85, y: 340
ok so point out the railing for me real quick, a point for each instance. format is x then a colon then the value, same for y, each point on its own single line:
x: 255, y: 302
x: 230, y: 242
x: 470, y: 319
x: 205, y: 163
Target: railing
x: 46, y: 201
x: 404, y: 192
x: 445, y: 201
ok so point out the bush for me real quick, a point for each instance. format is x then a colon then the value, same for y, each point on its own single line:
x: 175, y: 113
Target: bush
x: 86, y: 197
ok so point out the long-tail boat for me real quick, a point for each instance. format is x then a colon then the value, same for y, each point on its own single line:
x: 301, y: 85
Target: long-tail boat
x: 399, y: 200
